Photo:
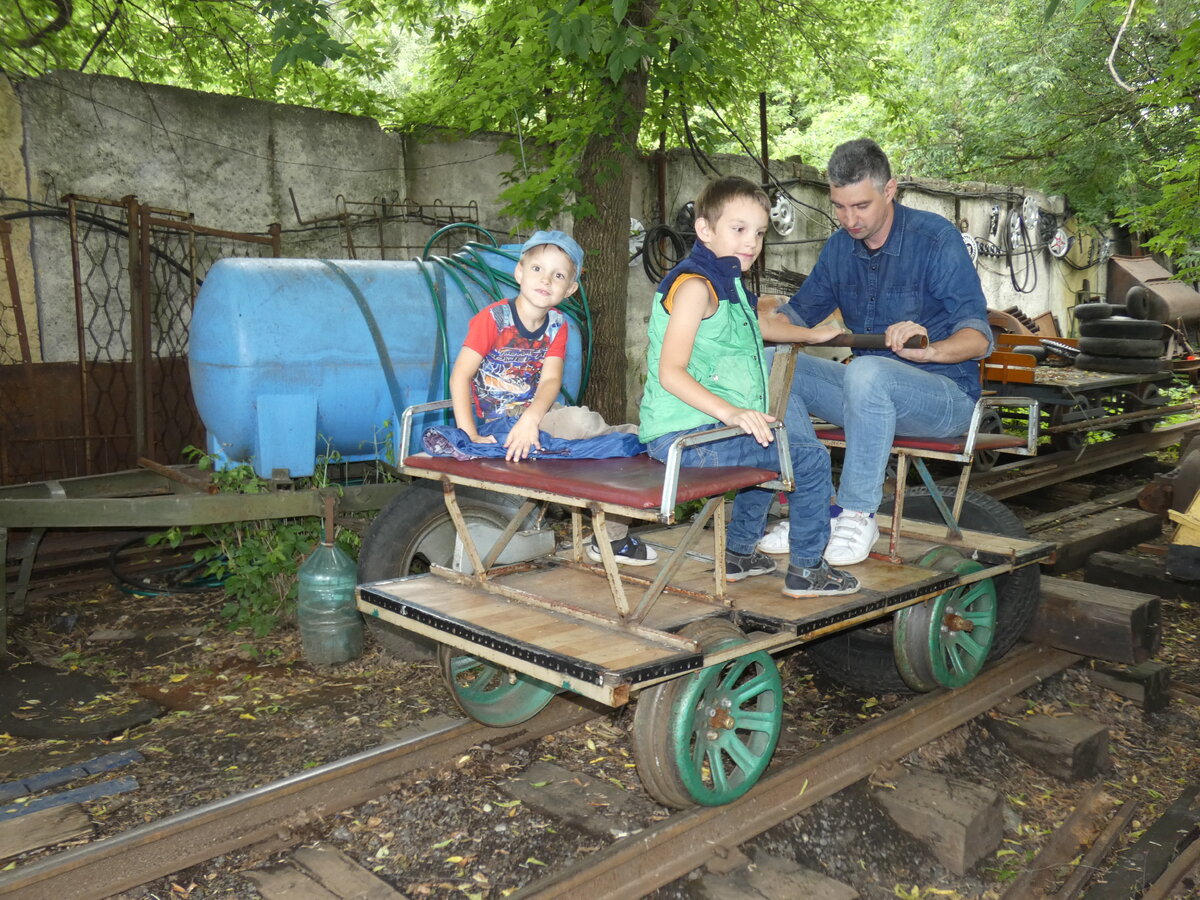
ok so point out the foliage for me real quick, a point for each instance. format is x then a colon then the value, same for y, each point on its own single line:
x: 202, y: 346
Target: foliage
x: 295, y: 51
x: 256, y: 561
x: 559, y: 77
x: 1171, y: 214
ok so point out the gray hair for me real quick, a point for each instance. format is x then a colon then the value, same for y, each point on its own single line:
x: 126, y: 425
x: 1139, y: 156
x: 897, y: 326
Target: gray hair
x: 855, y: 160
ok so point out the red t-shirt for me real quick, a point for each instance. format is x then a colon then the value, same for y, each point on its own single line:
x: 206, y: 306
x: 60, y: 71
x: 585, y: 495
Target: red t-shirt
x: 512, y: 358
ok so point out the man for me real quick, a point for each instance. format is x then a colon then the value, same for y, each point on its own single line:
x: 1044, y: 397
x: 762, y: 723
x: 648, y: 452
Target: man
x: 899, y: 272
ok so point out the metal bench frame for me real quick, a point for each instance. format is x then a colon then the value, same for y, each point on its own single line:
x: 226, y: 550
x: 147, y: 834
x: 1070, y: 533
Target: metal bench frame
x: 959, y: 449
x: 627, y: 616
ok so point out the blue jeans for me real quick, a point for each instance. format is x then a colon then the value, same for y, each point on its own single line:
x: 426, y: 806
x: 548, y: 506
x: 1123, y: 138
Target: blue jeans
x: 874, y: 398
x: 808, y: 504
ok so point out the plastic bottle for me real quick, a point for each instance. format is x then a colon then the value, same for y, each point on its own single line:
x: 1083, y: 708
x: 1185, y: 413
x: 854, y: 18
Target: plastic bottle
x: 331, y: 629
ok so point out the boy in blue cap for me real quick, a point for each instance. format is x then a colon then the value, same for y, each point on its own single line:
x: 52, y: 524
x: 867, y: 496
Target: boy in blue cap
x: 511, y: 367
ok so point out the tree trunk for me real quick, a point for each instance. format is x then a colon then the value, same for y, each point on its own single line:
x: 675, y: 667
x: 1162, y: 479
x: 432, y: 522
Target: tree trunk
x: 606, y: 176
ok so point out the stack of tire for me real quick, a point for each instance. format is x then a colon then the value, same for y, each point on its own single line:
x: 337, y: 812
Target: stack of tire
x: 1111, y: 341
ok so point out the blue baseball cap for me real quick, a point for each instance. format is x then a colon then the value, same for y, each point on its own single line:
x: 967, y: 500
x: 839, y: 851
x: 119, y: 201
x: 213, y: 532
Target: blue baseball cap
x: 562, y: 241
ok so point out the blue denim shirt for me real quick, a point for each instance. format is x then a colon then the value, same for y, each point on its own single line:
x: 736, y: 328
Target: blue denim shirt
x: 922, y: 274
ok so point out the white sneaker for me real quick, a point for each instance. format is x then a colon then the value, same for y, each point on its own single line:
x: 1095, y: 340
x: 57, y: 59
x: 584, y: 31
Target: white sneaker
x: 775, y: 541
x: 851, y: 538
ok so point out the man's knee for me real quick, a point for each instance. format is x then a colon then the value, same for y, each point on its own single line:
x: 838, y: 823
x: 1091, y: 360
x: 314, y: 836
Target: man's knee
x: 868, y: 373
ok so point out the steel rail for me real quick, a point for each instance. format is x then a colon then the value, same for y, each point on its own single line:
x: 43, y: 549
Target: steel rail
x: 1039, y: 472
x: 637, y: 865
x: 143, y: 854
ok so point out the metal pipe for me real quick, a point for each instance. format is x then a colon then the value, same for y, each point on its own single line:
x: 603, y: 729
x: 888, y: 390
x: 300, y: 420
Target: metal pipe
x: 874, y: 342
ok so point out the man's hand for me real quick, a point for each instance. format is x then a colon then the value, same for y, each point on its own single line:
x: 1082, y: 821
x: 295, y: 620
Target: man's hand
x: 754, y: 423
x: 899, y: 332
x: 522, y: 439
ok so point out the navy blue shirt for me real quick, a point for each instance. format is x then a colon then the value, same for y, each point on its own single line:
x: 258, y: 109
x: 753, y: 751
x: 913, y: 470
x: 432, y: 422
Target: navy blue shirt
x: 921, y: 274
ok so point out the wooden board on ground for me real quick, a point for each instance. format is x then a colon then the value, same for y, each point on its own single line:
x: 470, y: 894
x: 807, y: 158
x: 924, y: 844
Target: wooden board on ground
x: 1114, y: 529
x: 320, y: 873
x: 43, y: 828
x: 1097, y: 621
x: 1133, y: 573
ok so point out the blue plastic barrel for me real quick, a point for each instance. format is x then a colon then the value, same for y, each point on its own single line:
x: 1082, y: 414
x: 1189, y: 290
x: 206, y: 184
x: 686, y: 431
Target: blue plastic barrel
x: 291, y: 359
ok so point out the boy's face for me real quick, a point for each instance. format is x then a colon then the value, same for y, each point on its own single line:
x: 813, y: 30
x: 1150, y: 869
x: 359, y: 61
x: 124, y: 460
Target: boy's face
x: 546, y: 276
x: 738, y: 231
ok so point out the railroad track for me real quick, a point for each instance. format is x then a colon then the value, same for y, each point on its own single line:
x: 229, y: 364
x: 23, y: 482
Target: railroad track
x: 629, y: 867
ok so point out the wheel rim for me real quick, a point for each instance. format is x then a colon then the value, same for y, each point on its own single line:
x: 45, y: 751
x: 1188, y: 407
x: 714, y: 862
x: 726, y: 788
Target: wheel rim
x: 944, y: 642
x: 491, y: 694
x: 725, y: 723
x: 990, y: 423
x: 434, y: 543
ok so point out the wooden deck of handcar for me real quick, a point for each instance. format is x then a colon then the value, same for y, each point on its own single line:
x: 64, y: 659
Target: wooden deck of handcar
x: 587, y: 650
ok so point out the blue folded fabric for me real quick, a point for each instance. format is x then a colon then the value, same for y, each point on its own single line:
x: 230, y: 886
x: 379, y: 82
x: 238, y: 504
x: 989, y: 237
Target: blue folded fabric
x: 446, y: 440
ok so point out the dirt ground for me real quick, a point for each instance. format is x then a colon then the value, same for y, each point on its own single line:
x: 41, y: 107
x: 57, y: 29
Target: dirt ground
x: 238, y: 712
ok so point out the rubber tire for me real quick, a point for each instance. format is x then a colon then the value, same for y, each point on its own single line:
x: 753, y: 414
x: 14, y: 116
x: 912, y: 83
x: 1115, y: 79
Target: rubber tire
x: 1068, y: 441
x: 863, y: 659
x: 1123, y: 365
x: 1089, y: 312
x: 1124, y: 347
x: 390, y: 548
x: 1130, y: 329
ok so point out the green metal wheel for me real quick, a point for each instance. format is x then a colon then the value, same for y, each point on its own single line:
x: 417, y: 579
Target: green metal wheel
x: 706, y: 738
x: 491, y: 694
x: 944, y: 642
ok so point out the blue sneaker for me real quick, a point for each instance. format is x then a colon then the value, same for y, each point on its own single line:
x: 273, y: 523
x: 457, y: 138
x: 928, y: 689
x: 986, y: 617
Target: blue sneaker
x: 628, y: 550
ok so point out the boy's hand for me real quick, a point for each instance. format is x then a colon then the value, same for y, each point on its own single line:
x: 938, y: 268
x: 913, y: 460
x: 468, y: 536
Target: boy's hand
x: 481, y: 438
x: 823, y: 333
x: 522, y: 439
x: 754, y: 423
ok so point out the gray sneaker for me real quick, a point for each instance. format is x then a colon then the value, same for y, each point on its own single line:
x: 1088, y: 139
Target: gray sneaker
x: 819, y: 581
x: 738, y: 567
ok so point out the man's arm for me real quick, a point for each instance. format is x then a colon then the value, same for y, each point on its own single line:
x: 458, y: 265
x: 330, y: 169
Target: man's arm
x: 816, y: 299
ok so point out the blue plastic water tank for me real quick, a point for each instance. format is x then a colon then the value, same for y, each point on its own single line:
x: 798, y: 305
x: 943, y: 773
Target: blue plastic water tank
x: 285, y: 366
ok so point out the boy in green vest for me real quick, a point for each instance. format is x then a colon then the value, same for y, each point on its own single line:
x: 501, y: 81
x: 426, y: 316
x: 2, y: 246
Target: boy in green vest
x: 706, y: 368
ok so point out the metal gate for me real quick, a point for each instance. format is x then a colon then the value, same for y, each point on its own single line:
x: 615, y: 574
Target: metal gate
x: 135, y: 270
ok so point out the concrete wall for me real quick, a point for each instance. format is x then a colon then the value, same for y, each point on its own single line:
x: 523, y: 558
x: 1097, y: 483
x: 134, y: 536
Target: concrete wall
x: 231, y: 162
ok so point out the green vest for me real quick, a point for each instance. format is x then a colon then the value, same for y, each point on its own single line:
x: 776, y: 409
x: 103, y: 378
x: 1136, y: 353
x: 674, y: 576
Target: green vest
x: 727, y: 359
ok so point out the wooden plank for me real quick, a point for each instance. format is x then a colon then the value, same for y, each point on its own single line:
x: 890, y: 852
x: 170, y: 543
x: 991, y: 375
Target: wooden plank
x: 1073, y: 748
x: 97, y: 791
x: 1068, y: 840
x: 337, y: 872
x: 1144, y: 860
x: 1148, y: 683
x: 443, y: 607
x: 1089, y: 865
x: 1097, y: 621
x: 1083, y: 509
x: 43, y: 829
x: 1115, y: 529
x: 285, y: 882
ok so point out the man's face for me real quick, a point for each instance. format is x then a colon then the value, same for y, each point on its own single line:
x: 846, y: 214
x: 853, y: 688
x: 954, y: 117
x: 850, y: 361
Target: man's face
x: 864, y: 210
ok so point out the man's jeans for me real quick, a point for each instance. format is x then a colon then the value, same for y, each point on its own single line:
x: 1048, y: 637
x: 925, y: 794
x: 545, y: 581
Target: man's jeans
x: 808, y: 504
x: 874, y: 398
